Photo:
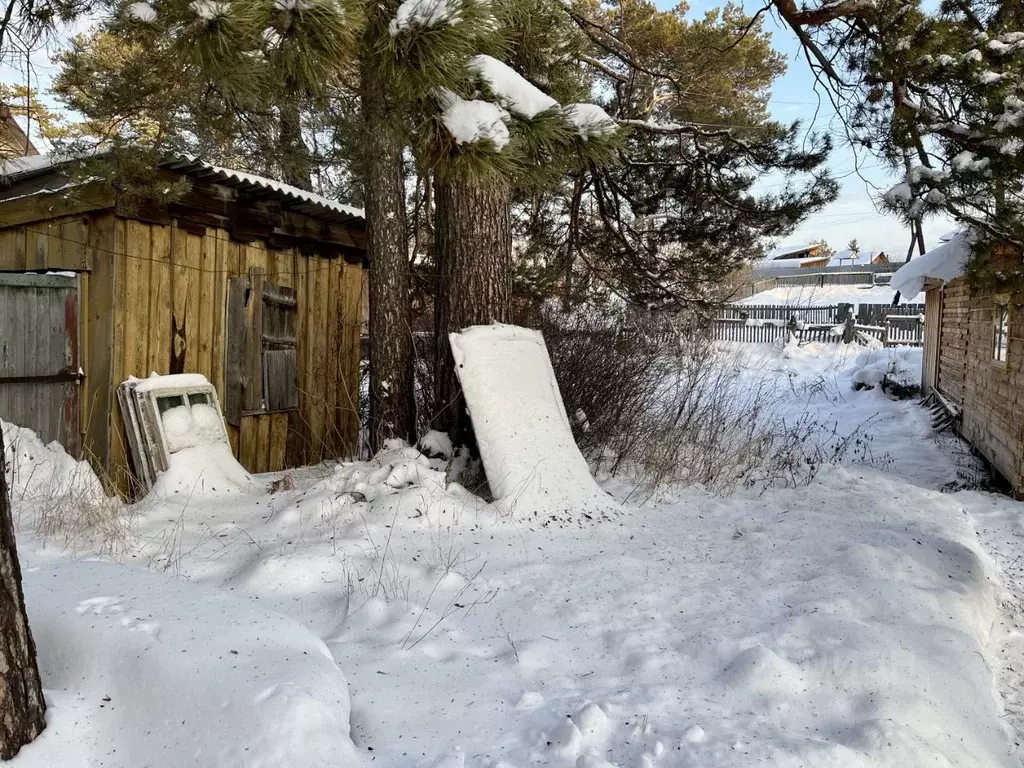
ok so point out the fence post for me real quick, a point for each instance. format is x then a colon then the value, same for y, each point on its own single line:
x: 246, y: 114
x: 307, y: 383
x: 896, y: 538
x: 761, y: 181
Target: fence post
x: 846, y: 314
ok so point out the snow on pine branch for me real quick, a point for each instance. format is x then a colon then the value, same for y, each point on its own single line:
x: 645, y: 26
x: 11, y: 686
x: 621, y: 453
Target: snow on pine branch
x: 208, y: 10
x: 143, y: 12
x: 422, y: 13
x: 590, y: 120
x: 473, y: 120
x: 515, y: 92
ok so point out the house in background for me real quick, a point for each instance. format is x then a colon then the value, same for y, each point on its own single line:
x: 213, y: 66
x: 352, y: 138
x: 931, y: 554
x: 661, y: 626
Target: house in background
x: 974, y: 352
x: 789, y: 256
x: 857, y: 258
x: 13, y: 140
x: 254, y: 284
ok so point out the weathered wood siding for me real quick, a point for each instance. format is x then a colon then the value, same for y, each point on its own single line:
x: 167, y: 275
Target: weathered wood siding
x: 990, y: 392
x: 953, y: 334
x: 154, y: 299
x: 39, y: 357
x: 932, y: 336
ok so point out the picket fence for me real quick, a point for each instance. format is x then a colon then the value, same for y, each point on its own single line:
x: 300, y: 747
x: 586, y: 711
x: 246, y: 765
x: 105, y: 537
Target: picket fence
x: 763, y: 324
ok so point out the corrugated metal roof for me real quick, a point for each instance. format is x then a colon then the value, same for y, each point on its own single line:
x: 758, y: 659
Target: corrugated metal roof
x: 295, y: 199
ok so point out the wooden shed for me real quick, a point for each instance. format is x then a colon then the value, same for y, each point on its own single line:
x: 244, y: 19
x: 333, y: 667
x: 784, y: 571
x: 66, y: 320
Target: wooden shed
x: 974, y: 365
x: 254, y: 284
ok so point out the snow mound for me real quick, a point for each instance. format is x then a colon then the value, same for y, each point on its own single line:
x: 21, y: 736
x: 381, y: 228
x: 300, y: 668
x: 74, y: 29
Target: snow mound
x: 38, y: 471
x: 522, y: 430
x: 897, y: 370
x: 201, y: 469
x: 438, y: 444
x: 395, y: 467
x: 945, y: 262
x: 140, y: 670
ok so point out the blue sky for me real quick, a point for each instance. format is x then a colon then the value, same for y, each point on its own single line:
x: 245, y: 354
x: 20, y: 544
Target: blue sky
x: 853, y: 214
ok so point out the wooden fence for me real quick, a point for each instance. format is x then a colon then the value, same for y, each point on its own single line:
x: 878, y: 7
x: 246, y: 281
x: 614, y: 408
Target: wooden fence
x: 763, y: 324
x: 781, y: 312
x: 821, y: 279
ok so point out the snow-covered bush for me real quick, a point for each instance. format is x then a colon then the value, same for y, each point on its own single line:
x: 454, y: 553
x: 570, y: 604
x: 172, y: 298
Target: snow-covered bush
x: 896, y: 370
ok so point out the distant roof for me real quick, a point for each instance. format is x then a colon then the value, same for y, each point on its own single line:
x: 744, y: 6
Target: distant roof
x: 785, y: 263
x: 786, y: 250
x: 852, y: 258
x: 293, y: 198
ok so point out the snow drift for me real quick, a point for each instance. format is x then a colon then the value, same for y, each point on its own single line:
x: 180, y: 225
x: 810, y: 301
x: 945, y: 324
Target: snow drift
x: 140, y: 670
x: 526, y: 443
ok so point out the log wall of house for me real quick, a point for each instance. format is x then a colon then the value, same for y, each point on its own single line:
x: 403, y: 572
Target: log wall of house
x: 153, y: 299
x: 989, y: 392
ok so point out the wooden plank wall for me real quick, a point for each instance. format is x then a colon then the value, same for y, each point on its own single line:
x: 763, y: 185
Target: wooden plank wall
x: 953, y: 333
x: 170, y: 299
x: 932, y: 332
x: 154, y: 299
x: 57, y: 244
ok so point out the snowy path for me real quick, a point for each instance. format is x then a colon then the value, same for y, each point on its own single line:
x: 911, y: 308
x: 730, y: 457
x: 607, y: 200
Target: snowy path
x: 853, y: 622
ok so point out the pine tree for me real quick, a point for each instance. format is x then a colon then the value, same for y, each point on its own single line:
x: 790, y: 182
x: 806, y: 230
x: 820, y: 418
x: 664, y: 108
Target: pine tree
x: 392, y: 409
x: 487, y: 131
x: 853, y: 246
x: 679, y: 212
x: 22, y: 707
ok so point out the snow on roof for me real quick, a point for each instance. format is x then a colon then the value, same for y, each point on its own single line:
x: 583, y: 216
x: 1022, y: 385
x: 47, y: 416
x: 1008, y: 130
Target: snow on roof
x: 785, y: 250
x: 514, y: 91
x: 852, y: 258
x: 943, y: 262
x: 189, y: 163
x: 785, y: 263
x: 17, y: 166
x: 14, y: 168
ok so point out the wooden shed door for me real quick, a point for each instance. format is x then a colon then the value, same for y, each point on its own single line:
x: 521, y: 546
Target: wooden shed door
x: 39, y: 373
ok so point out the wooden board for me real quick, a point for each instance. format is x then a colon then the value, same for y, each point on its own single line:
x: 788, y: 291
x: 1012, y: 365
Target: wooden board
x: 99, y: 343
x: 158, y: 347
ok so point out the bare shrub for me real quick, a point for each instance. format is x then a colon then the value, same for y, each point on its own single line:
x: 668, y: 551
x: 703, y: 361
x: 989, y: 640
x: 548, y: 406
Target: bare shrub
x: 657, y: 399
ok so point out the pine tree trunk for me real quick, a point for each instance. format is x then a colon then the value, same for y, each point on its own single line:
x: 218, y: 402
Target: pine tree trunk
x: 22, y: 708
x: 295, y: 162
x: 474, y: 283
x: 392, y: 412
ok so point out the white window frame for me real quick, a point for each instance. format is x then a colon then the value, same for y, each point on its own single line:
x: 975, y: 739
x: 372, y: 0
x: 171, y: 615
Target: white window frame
x: 145, y: 429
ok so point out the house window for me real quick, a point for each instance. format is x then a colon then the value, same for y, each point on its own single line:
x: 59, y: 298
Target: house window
x: 1000, y: 330
x: 261, y: 365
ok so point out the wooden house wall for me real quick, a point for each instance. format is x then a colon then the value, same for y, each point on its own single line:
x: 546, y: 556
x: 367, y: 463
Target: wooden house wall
x: 932, y: 336
x: 154, y: 298
x: 989, y: 392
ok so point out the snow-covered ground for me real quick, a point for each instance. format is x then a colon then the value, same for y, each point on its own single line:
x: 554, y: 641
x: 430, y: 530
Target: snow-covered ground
x: 850, y: 618
x: 823, y: 296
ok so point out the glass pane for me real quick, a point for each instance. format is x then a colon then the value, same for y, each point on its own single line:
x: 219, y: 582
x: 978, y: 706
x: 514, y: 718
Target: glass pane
x: 1002, y: 331
x: 199, y: 398
x: 166, y: 402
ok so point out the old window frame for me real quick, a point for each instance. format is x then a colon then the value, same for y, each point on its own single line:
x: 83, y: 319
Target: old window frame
x: 1000, y: 329
x: 140, y: 411
x: 261, y: 350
